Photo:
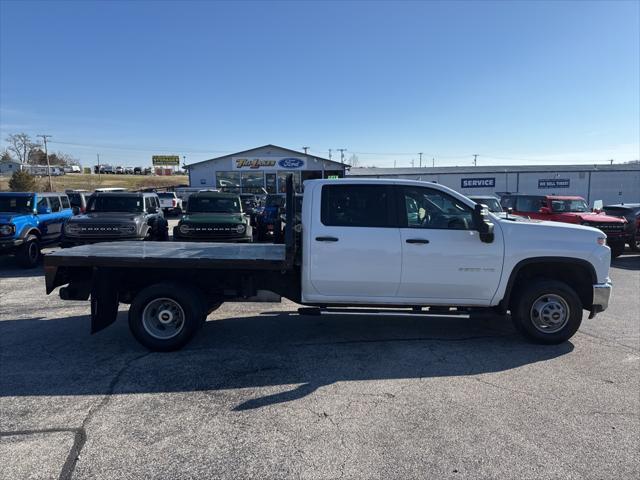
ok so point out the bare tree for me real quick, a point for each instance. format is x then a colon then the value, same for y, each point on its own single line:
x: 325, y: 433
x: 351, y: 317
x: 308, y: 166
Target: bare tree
x: 21, y: 145
x: 353, y: 160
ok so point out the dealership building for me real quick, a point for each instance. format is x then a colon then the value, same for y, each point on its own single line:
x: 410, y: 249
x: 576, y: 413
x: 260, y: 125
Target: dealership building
x: 260, y: 168
x: 609, y: 183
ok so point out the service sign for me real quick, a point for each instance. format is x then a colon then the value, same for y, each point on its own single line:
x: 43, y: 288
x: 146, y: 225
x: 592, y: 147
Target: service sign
x: 553, y: 183
x: 489, y: 182
x: 268, y: 163
x: 165, y: 160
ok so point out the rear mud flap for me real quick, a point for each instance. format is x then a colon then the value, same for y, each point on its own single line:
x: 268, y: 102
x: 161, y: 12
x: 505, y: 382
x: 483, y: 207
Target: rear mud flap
x: 104, y: 300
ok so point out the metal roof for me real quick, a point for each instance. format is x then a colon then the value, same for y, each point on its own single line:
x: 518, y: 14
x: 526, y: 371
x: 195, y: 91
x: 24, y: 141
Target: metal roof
x: 270, y: 145
x: 471, y: 170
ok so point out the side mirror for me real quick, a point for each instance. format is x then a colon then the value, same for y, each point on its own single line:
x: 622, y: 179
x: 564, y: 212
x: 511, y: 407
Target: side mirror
x: 482, y: 224
x: 44, y: 210
x: 545, y: 210
x: 75, y: 210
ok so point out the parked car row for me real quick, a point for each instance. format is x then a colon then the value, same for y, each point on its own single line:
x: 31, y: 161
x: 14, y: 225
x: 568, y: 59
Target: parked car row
x: 619, y: 222
x: 120, y: 170
x: 30, y: 221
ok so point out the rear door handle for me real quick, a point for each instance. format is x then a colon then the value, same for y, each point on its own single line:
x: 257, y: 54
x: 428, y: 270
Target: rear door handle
x: 417, y: 240
x: 326, y: 239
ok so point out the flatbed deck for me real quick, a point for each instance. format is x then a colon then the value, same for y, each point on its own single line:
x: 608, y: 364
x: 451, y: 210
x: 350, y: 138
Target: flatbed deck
x: 171, y: 255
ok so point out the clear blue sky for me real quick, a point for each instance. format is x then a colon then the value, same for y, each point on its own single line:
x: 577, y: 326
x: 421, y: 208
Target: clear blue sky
x: 516, y: 82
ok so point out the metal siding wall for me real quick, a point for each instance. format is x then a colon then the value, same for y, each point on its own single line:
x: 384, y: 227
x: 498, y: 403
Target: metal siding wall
x: 607, y: 186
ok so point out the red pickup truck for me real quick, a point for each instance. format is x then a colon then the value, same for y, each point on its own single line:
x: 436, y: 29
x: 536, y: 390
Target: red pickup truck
x: 568, y: 209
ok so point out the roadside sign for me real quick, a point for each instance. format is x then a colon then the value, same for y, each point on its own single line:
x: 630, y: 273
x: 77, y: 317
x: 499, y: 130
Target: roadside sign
x: 478, y: 182
x: 553, y: 183
x: 165, y: 160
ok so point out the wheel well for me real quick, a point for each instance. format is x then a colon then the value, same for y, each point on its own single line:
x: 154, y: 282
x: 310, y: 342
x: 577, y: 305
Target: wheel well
x: 575, y: 274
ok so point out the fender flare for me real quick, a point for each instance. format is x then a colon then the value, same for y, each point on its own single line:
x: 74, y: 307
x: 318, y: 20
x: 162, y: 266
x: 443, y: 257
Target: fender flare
x: 504, y: 303
x: 28, y: 230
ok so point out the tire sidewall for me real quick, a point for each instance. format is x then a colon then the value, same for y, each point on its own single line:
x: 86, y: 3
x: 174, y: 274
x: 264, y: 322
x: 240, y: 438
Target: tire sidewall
x: 25, y: 259
x: 191, y: 304
x: 529, y: 294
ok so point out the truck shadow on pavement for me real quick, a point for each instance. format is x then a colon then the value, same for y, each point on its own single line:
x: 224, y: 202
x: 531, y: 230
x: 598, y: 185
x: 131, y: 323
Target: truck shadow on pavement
x: 627, y: 262
x: 287, y: 353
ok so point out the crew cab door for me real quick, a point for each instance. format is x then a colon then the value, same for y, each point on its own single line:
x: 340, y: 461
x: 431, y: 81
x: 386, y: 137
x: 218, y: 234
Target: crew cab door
x: 354, y: 245
x: 443, y: 259
x: 49, y: 232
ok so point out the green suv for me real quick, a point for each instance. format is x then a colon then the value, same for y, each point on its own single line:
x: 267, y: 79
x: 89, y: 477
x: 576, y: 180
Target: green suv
x: 214, y: 217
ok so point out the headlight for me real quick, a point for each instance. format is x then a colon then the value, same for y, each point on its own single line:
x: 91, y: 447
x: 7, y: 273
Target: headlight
x: 184, y: 228
x: 127, y: 229
x: 72, y: 228
x: 7, y: 230
x: 241, y: 228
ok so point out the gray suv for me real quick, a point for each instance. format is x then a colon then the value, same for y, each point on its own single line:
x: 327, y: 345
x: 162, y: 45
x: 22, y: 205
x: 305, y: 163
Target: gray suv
x: 117, y: 216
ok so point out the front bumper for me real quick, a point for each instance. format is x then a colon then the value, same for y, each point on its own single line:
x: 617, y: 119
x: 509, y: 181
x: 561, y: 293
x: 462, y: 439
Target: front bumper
x: 601, y: 296
x: 68, y: 242
x: 10, y: 245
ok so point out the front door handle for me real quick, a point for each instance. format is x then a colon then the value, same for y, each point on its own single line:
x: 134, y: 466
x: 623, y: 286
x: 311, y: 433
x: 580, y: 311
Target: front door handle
x: 326, y: 239
x: 417, y: 240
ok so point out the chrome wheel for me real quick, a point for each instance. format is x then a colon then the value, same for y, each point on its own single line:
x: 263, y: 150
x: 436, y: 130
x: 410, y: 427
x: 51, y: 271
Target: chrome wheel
x: 163, y: 318
x: 549, y: 313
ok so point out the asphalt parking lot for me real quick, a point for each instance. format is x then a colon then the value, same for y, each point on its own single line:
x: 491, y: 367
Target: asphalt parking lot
x: 266, y: 393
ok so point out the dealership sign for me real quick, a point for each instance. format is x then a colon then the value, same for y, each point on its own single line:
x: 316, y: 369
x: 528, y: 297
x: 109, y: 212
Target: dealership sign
x: 553, y: 183
x: 255, y: 163
x: 165, y: 160
x: 489, y: 182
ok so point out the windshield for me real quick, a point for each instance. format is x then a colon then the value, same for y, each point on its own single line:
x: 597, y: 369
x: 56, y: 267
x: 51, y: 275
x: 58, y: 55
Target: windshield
x: 492, y: 203
x: 115, y: 204
x: 214, y: 205
x: 559, y: 206
x: 17, y: 204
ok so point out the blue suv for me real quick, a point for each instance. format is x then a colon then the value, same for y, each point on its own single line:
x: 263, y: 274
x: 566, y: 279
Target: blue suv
x: 30, y: 221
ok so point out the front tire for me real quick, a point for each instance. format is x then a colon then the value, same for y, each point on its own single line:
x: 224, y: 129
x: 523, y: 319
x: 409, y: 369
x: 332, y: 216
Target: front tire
x: 29, y: 253
x: 547, y: 311
x: 634, y: 244
x: 617, y: 249
x: 164, y: 317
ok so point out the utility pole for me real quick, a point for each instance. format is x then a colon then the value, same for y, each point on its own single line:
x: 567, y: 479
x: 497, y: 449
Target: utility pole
x: 413, y: 162
x: 99, y: 173
x: 420, y: 159
x: 341, y: 150
x: 305, y: 149
x: 611, y: 161
x: 329, y: 154
x: 475, y: 159
x: 46, y: 154
x: 433, y: 162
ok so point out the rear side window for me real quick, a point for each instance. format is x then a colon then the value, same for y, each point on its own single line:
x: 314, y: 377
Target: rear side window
x: 55, y: 204
x: 530, y: 204
x: 65, y: 202
x: 356, y: 206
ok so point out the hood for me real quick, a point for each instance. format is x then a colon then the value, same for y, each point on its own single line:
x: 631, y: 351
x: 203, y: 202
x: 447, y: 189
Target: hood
x: 595, y: 217
x: 211, y: 217
x: 105, y: 217
x: 552, y: 228
x: 7, y: 217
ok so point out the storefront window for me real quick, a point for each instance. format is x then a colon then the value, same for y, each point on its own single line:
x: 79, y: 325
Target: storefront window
x: 282, y: 181
x: 252, y: 182
x: 270, y: 184
x: 228, y: 181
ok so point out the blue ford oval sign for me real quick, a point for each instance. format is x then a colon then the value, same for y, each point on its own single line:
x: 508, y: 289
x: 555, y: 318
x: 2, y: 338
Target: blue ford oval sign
x: 291, y: 162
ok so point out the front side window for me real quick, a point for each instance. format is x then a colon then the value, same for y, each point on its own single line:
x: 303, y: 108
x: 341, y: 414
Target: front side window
x: 356, y: 206
x: 428, y: 208
x: 65, y: 202
x: 115, y: 204
x: 214, y: 205
x: 228, y: 180
x: 559, y: 206
x: 43, y: 202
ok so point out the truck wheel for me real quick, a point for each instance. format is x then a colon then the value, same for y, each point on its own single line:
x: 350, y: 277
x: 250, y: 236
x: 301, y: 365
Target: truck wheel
x: 617, y: 249
x: 634, y: 244
x: 162, y: 235
x: 547, y: 311
x: 165, y: 316
x: 29, y: 253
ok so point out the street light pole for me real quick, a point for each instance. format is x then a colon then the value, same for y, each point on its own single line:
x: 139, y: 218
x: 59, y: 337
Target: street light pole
x: 46, y: 154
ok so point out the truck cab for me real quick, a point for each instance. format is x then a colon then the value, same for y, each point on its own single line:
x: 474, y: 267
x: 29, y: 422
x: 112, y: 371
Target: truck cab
x: 569, y: 209
x: 30, y: 221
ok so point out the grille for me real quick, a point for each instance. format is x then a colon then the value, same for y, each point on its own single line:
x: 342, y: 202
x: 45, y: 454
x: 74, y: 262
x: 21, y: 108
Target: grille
x: 100, y: 230
x: 215, y: 231
x: 608, y: 227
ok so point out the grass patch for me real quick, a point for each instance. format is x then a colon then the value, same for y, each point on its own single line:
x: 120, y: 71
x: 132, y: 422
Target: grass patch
x: 79, y: 181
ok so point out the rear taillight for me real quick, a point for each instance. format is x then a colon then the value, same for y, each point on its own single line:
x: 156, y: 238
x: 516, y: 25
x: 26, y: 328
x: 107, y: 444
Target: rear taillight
x: 173, y: 202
